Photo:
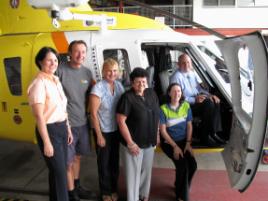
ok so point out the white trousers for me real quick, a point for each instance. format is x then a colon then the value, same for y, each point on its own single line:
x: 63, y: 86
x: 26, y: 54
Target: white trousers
x: 138, y: 171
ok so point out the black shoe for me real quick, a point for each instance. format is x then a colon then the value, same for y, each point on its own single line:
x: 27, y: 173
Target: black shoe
x: 209, y: 142
x: 73, y: 196
x: 85, y: 194
x: 217, y: 138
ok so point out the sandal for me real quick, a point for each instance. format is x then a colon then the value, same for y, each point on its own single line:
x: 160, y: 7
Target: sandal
x: 106, y: 198
x: 114, y: 197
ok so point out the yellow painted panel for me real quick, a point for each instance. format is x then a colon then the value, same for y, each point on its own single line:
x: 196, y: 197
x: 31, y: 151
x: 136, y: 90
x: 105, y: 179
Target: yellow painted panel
x: 12, y: 107
x: 26, y: 19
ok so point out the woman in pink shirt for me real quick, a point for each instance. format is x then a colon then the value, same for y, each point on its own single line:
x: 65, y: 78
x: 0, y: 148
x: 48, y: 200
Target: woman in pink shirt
x: 48, y: 103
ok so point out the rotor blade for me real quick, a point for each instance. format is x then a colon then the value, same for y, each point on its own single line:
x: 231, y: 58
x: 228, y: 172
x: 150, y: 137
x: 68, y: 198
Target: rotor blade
x: 168, y: 14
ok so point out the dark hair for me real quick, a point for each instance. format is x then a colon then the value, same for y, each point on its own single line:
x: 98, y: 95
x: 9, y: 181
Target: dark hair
x: 138, y: 72
x: 168, y: 99
x: 74, y: 42
x: 41, y: 55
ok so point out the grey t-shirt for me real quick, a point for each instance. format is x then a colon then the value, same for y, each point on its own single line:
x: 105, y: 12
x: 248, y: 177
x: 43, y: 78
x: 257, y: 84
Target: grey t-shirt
x: 76, y: 84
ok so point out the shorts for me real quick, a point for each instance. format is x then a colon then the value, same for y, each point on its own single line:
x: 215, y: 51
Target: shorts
x: 80, y: 144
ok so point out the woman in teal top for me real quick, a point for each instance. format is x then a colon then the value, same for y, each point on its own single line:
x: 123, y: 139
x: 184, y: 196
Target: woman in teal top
x: 176, y: 132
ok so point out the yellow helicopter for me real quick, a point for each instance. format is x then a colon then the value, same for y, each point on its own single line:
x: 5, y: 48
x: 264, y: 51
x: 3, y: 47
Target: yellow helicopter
x: 28, y: 25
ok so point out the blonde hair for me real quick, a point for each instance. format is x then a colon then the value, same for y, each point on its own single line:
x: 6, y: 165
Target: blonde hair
x: 109, y: 63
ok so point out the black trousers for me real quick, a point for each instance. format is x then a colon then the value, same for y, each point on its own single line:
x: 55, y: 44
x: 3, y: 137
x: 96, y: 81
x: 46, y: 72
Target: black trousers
x: 210, y: 115
x: 57, y: 164
x: 108, y: 163
x: 185, y: 169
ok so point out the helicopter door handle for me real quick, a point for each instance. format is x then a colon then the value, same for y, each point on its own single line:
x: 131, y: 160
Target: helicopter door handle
x: 4, y: 106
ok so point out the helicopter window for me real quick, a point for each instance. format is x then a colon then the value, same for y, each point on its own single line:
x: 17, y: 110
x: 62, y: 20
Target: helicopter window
x: 216, y: 61
x: 121, y: 56
x: 219, y: 2
x: 64, y: 58
x: 13, y: 73
x: 246, y: 70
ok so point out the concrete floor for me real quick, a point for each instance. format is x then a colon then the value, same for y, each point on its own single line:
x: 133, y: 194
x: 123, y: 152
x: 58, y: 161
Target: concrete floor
x: 23, y: 173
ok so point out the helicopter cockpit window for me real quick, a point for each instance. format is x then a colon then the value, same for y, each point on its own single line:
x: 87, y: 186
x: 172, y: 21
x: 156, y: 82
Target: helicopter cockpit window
x: 215, y: 60
x: 246, y: 70
x: 121, y: 56
x: 64, y: 58
x: 13, y: 73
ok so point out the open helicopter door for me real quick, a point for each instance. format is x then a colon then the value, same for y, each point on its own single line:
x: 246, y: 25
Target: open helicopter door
x: 249, y: 123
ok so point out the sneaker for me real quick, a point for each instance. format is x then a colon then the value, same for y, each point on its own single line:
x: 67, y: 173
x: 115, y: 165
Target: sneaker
x: 217, y: 138
x: 85, y: 194
x: 73, y: 196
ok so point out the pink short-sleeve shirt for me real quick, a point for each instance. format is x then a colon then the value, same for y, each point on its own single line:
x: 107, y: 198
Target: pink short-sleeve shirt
x: 46, y: 89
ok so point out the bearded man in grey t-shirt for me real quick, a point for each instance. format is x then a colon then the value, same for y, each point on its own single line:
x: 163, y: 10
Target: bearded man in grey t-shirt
x: 76, y: 80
